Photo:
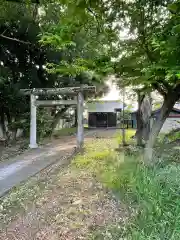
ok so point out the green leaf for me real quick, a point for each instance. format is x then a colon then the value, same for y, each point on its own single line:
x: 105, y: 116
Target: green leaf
x: 173, y: 7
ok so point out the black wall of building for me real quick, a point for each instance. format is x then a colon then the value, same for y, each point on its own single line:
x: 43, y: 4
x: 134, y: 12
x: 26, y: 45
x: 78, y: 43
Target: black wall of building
x: 91, y: 120
x: 102, y: 119
x: 112, y: 119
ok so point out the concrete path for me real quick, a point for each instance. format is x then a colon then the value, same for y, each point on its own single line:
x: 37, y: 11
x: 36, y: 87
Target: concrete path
x: 18, y: 169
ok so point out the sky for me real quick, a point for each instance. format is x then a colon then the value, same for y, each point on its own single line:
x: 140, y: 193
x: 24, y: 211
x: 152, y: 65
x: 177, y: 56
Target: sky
x: 113, y: 93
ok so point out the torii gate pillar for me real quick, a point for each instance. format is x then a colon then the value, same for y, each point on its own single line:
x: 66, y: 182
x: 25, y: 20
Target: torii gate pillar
x: 33, y: 140
x: 80, y: 129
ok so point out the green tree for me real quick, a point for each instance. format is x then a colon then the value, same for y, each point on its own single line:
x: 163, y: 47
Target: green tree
x: 22, y: 62
x: 67, y: 55
x: 75, y: 29
x: 150, y: 55
x: 81, y: 36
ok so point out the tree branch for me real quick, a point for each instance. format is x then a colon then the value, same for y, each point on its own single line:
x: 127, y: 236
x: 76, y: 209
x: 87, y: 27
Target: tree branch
x: 95, y: 15
x: 21, y: 1
x: 165, y: 85
x: 15, y: 39
x: 157, y: 87
x: 91, y: 11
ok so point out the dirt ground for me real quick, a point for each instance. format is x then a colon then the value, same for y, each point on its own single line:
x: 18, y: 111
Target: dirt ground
x: 73, y: 205
x: 72, y: 208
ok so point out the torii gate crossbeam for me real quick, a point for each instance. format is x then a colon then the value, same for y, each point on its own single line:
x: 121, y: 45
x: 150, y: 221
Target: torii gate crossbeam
x: 34, y: 103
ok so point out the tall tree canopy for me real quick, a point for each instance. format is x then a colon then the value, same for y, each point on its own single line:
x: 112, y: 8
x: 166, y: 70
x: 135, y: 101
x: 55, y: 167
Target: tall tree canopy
x: 68, y: 42
x: 42, y: 47
x: 149, y: 55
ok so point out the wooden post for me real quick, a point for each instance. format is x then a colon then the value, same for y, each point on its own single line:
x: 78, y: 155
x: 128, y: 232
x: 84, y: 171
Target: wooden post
x: 80, y: 130
x: 107, y: 120
x: 123, y: 116
x: 33, y: 143
x: 75, y: 113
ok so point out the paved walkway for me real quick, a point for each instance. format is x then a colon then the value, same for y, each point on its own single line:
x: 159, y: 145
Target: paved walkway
x: 18, y: 169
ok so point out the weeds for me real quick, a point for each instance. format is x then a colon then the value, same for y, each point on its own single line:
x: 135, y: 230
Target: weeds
x: 100, y: 159
x: 152, y: 194
x: 129, y: 133
x: 156, y: 193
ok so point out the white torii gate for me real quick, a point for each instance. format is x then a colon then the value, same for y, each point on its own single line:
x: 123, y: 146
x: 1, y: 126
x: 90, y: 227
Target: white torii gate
x: 79, y: 101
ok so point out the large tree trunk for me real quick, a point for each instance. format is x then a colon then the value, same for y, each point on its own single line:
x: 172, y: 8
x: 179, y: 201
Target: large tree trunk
x: 143, y: 117
x: 147, y: 112
x: 139, y: 121
x: 58, y: 117
x: 167, y: 107
x: 11, y: 130
x: 75, y: 117
x: 2, y: 122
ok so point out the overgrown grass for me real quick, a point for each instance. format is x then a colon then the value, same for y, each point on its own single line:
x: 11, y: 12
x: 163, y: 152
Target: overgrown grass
x: 171, y: 136
x: 152, y: 194
x: 129, y: 133
x: 99, y: 158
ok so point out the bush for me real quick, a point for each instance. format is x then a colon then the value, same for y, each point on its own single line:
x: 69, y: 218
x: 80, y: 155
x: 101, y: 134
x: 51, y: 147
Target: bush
x: 44, y: 123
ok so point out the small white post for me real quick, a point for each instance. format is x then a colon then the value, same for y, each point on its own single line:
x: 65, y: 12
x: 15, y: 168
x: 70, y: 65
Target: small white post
x: 80, y: 130
x: 123, y: 116
x: 33, y: 143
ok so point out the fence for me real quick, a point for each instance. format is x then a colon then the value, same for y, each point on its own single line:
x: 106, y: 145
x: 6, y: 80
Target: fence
x: 128, y: 124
